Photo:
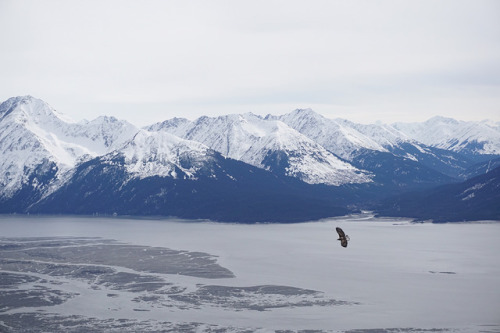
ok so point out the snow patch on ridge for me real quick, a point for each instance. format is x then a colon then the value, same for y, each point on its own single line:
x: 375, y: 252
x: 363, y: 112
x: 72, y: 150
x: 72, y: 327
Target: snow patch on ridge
x: 162, y: 154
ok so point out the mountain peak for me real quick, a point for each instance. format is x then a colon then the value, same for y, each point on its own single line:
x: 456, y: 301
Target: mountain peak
x: 41, y: 153
x: 336, y: 135
x: 21, y: 100
x: 467, y: 137
x: 270, y: 144
x: 442, y: 120
x: 306, y: 113
x: 106, y: 119
x: 163, y: 154
x: 29, y: 108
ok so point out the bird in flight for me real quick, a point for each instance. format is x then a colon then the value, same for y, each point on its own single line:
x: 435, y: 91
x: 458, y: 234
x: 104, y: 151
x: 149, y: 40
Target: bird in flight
x: 343, y: 238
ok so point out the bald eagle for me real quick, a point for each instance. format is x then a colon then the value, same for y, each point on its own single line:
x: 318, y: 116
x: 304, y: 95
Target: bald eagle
x: 343, y: 238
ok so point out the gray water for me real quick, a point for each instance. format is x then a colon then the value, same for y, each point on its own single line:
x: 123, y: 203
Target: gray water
x: 86, y: 274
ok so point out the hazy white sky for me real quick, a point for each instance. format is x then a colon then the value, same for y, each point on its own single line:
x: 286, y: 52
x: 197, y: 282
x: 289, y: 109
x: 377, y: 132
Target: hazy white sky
x: 147, y: 61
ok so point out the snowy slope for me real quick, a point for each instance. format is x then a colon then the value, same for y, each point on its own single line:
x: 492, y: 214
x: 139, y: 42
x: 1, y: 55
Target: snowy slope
x: 346, y: 138
x: 241, y: 155
x: 354, y: 142
x: 33, y: 134
x: 460, y: 136
x: 163, y: 154
x: 157, y: 173
x: 383, y: 134
x: 269, y: 144
x: 335, y: 135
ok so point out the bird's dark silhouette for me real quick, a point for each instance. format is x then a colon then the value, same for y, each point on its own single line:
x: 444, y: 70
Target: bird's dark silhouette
x: 343, y: 238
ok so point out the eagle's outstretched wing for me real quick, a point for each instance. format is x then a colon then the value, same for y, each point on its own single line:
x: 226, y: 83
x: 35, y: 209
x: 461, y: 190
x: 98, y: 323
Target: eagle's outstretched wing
x: 343, y: 238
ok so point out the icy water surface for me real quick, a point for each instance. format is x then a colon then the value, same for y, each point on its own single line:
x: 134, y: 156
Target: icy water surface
x: 75, y: 274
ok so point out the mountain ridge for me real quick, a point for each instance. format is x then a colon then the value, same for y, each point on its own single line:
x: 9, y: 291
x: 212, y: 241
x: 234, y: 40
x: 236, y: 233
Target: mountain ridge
x: 467, y: 137
x: 477, y: 198
x: 268, y: 144
x: 240, y: 167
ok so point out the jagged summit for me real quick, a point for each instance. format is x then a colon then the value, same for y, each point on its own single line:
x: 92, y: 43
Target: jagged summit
x: 344, y: 141
x: 32, y: 134
x: 162, y: 154
x: 468, y: 137
x: 298, y: 113
x: 29, y: 108
x: 269, y: 144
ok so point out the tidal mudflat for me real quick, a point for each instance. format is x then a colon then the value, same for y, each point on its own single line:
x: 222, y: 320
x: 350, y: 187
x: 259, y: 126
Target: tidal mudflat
x: 75, y: 274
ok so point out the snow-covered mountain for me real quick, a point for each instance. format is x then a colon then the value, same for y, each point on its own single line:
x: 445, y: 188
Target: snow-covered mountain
x: 401, y: 145
x: 374, y: 147
x: 466, y: 137
x: 344, y: 141
x: 383, y: 134
x: 157, y: 173
x: 268, y: 144
x: 292, y: 167
x: 162, y: 154
x: 38, y: 144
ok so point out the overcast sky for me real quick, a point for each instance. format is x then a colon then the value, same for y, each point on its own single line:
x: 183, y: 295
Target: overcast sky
x: 147, y: 61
